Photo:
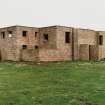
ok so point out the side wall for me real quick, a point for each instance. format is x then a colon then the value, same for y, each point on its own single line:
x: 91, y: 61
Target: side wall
x: 83, y: 37
x: 84, y: 52
x: 8, y: 44
x: 102, y: 47
x: 55, y: 49
x: 31, y: 40
x: 29, y: 55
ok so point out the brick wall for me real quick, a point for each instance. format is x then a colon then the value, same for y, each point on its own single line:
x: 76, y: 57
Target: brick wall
x: 51, y: 42
x: 29, y: 55
x: 30, y: 40
x: 84, y: 52
x: 8, y: 45
x: 55, y: 49
x: 84, y: 37
x: 102, y: 47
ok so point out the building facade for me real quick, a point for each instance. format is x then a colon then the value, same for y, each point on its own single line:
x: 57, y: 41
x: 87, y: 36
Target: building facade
x: 54, y: 43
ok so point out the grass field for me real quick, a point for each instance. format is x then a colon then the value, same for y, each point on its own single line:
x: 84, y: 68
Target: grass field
x: 56, y: 83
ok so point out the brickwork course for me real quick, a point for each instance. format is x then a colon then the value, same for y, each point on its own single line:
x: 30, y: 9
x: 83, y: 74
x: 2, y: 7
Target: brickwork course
x: 53, y: 43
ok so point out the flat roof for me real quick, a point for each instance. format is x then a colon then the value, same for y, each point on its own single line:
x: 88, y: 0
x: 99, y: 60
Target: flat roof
x: 17, y: 26
x: 51, y: 27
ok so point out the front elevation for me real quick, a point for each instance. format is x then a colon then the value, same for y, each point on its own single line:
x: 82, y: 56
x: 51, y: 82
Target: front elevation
x: 54, y: 43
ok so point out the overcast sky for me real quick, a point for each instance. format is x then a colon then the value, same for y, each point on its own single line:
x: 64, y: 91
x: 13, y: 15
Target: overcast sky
x: 75, y: 13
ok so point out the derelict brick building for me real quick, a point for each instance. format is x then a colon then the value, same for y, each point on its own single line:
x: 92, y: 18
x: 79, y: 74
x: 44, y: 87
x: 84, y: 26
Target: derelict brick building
x: 54, y: 43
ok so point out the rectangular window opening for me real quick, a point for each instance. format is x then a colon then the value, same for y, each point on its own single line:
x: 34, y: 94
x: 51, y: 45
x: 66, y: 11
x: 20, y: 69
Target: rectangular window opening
x: 67, y: 37
x: 36, y: 34
x: 45, y: 37
x: 10, y: 33
x: 24, y: 33
x: 36, y: 46
x: 3, y: 35
x: 24, y: 46
x: 100, y: 40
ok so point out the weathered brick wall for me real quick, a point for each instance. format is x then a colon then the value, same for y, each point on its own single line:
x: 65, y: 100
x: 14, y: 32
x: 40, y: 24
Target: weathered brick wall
x: 84, y: 52
x: 102, y: 47
x: 55, y: 49
x: 101, y: 52
x: 29, y: 55
x: 30, y: 40
x: 54, y: 55
x: 93, y: 52
x: 8, y: 47
x: 62, y: 46
x: 85, y: 36
x: 75, y: 47
x: 51, y: 43
x: 88, y: 52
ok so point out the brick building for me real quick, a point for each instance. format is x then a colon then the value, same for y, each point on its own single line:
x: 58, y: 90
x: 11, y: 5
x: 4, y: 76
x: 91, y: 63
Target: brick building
x: 54, y: 43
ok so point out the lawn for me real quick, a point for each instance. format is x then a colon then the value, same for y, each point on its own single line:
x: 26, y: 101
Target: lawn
x: 54, y: 83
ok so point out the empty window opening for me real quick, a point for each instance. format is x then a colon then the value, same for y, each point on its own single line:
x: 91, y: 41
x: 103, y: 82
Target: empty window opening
x: 3, y: 35
x: 24, y: 33
x: 10, y: 33
x: 24, y: 46
x: 100, y: 40
x: 45, y: 37
x: 36, y: 47
x: 36, y: 34
x: 67, y: 37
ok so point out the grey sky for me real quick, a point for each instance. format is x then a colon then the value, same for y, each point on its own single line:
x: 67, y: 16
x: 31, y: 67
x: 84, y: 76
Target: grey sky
x: 77, y: 13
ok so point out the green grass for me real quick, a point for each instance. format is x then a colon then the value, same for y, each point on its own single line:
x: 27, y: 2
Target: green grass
x: 54, y: 83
